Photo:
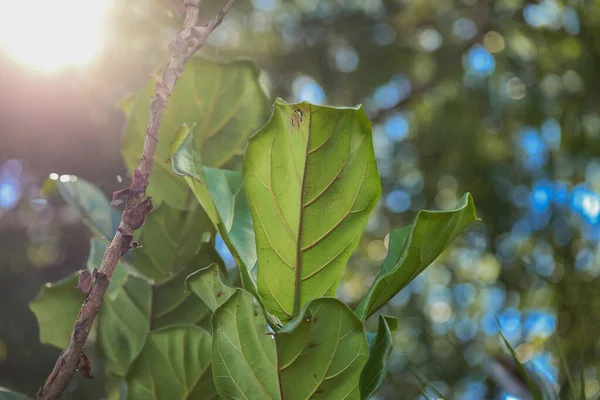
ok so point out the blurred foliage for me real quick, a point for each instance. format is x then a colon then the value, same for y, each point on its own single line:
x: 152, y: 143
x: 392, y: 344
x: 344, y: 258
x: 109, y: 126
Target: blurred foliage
x: 496, y: 98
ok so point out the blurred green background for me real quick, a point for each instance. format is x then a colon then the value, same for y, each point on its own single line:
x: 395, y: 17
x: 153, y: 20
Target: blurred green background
x: 498, y: 98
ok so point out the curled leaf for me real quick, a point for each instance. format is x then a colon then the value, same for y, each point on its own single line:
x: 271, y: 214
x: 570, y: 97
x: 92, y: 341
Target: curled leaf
x: 414, y: 248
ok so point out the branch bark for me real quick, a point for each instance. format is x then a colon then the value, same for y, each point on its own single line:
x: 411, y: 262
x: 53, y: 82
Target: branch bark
x: 190, y: 40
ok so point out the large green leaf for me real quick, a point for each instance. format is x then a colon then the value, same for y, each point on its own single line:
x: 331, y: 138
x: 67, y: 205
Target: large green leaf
x: 414, y: 248
x: 380, y: 349
x: 208, y: 285
x: 6, y: 394
x: 225, y: 101
x: 319, y: 354
x: 115, y: 387
x: 172, y: 304
x: 174, y: 364
x: 56, y: 308
x: 125, y: 323
x: 221, y: 195
x: 244, y: 356
x: 322, y: 352
x: 90, y: 203
x: 171, y: 239
x: 172, y: 246
x: 311, y: 182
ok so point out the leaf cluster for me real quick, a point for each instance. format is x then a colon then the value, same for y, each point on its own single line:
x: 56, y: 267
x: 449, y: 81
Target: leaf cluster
x: 175, y: 323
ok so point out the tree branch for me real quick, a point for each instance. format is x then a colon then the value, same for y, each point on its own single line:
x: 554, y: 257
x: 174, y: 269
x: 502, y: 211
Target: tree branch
x: 137, y: 204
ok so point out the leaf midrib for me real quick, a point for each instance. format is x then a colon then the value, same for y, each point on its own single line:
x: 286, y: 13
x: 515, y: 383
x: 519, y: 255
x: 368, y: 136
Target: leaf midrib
x: 298, y: 274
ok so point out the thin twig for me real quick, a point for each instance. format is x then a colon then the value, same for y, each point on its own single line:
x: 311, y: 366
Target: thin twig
x: 137, y: 204
x: 202, y: 33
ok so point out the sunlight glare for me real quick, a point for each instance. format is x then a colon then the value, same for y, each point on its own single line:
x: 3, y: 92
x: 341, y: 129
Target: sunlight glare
x: 50, y: 35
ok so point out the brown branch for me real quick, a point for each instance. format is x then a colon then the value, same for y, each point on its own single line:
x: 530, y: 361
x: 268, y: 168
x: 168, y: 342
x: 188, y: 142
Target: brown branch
x: 202, y: 33
x: 137, y: 205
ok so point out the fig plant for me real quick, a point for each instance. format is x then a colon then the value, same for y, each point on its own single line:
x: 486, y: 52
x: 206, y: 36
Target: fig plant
x: 290, y: 196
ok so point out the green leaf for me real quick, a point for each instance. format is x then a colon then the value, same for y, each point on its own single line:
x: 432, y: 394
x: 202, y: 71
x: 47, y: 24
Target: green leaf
x: 311, y: 181
x: 56, y: 308
x: 125, y: 323
x: 414, y: 248
x: 226, y: 102
x: 116, y: 388
x: 180, y: 135
x: 6, y: 394
x: 172, y: 246
x: 171, y: 239
x: 322, y: 352
x: 244, y: 356
x: 208, y: 285
x: 91, y: 204
x: 221, y: 195
x: 380, y: 349
x: 126, y: 104
x: 582, y: 394
x: 565, y: 367
x: 174, y: 364
x: 427, y: 388
x: 173, y: 305
x: 534, y: 390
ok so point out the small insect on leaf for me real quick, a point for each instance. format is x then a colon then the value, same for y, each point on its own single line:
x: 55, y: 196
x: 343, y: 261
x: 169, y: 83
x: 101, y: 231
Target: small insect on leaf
x: 296, y: 118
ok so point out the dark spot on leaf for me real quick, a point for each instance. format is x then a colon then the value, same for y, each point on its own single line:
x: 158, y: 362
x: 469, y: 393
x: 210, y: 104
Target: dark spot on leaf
x: 296, y: 118
x: 219, y: 294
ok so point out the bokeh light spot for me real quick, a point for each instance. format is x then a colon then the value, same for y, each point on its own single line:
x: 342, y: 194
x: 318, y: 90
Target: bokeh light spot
x: 398, y: 201
x: 306, y: 89
x: 480, y: 61
x: 346, y: 59
x: 430, y: 40
x: 464, y: 28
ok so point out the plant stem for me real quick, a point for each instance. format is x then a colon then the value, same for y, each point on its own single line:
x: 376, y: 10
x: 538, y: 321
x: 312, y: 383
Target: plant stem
x: 190, y: 40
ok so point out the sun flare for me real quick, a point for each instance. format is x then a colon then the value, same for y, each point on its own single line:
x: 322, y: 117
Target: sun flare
x: 51, y: 35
